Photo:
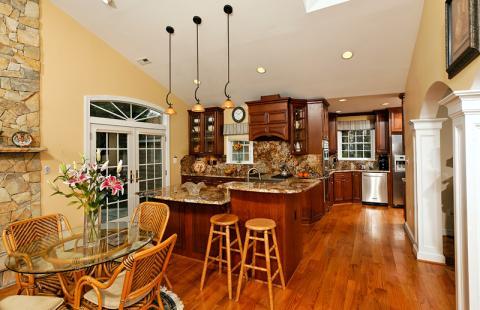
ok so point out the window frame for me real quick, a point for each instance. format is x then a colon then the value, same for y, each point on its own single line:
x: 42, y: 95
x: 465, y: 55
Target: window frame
x: 230, y: 141
x: 372, y: 146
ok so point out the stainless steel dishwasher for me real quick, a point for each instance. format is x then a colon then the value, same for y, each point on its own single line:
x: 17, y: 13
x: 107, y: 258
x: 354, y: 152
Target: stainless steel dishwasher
x: 374, y: 188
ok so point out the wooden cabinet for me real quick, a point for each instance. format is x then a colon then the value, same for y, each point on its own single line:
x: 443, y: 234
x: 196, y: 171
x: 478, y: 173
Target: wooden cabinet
x: 332, y: 133
x: 331, y: 194
x: 315, y: 207
x: 381, y: 132
x: 299, y: 127
x: 357, y: 186
x: 343, y: 190
x: 396, y: 120
x: 317, y: 109
x: 269, y: 117
x: 206, y: 132
x: 346, y: 187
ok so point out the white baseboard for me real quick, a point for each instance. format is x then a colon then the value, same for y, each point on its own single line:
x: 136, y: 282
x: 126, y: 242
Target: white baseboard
x: 431, y: 257
x: 411, y: 237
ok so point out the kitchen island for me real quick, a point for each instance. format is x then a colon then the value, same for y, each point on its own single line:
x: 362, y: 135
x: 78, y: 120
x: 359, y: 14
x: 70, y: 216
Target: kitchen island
x: 282, y: 202
x: 190, y: 216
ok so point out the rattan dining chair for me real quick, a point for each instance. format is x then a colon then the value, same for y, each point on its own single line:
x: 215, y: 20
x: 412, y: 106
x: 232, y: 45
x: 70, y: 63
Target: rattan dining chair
x: 150, y: 216
x: 17, y: 302
x: 135, y: 284
x: 25, y: 232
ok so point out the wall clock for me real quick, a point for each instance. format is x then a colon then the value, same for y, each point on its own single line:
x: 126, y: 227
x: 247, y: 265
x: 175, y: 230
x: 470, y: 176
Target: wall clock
x: 238, y: 114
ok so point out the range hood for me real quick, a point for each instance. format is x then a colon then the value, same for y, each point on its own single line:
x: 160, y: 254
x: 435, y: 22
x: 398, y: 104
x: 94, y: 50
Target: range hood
x: 269, y: 118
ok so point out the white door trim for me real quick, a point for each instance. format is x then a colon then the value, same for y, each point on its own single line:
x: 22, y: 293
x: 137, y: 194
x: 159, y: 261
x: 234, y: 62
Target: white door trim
x: 103, y: 121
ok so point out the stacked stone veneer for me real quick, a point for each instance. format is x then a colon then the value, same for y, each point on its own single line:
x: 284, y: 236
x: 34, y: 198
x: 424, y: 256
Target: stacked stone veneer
x: 19, y: 111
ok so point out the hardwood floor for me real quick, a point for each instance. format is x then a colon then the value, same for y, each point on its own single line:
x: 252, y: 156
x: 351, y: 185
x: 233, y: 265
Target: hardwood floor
x: 356, y: 257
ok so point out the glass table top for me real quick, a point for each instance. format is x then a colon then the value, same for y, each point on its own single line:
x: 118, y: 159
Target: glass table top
x: 69, y: 250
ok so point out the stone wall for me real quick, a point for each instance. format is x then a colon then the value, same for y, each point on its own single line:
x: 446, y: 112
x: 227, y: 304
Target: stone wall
x: 19, y: 111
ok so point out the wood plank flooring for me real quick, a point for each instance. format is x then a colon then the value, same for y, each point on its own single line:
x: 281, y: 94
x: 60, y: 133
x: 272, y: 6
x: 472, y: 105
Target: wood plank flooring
x: 356, y: 257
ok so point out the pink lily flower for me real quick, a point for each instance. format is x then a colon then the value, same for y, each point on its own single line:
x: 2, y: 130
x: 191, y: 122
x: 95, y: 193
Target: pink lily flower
x: 112, y: 183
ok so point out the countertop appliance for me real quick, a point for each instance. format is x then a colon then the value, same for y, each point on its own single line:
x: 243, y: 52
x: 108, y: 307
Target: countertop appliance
x: 374, y: 188
x: 398, y: 170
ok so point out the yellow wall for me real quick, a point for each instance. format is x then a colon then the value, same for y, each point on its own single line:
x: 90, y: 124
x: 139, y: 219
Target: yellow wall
x: 76, y: 63
x: 427, y: 67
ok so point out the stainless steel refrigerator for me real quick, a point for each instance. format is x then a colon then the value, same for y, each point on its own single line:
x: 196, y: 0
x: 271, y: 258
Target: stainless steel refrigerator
x: 398, y: 170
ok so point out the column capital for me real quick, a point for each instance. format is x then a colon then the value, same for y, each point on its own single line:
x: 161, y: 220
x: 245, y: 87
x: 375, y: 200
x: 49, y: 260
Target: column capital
x: 462, y: 102
x: 427, y: 124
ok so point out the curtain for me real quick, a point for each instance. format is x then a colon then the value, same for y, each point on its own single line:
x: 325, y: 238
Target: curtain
x: 355, y: 125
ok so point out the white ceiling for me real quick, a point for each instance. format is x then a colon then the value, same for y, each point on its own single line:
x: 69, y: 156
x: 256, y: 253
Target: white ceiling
x: 364, y: 103
x: 300, y: 51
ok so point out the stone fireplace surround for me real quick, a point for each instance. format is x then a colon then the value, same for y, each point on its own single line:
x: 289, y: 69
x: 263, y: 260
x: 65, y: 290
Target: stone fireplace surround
x: 20, y: 172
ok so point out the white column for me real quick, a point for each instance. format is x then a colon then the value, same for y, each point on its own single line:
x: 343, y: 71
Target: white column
x: 427, y: 189
x: 464, y: 109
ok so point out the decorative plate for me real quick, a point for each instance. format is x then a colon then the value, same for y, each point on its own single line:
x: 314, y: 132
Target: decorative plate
x: 199, y: 166
x: 22, y: 139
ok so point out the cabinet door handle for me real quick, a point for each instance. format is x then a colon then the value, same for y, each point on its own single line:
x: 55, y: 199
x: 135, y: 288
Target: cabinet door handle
x: 295, y: 215
x: 137, y: 178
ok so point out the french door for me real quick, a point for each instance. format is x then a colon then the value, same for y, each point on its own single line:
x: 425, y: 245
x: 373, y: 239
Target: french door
x: 142, y: 153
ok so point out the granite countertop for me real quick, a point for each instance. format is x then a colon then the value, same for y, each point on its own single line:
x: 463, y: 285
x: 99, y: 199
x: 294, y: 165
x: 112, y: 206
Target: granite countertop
x: 213, y: 176
x: 289, y: 186
x: 210, y: 195
x: 356, y: 170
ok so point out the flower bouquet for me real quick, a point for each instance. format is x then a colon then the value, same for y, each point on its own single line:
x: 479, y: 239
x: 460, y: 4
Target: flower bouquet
x: 88, y: 187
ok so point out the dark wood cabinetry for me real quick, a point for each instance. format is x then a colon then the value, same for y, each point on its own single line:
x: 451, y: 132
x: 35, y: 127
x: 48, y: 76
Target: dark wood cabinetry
x: 381, y: 132
x: 316, y: 207
x: 299, y: 127
x: 206, y: 132
x: 269, y: 117
x: 331, y: 193
x: 317, y: 113
x: 343, y: 189
x: 396, y: 120
x: 357, y: 186
x: 332, y: 133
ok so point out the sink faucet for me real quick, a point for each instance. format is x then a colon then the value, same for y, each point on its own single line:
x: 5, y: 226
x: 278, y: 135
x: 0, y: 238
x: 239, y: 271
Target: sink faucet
x: 253, y: 170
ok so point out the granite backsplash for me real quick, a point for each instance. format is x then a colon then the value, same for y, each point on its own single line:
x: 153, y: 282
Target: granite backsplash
x: 268, y: 156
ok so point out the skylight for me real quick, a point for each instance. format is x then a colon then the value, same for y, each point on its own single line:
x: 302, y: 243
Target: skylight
x: 315, y: 5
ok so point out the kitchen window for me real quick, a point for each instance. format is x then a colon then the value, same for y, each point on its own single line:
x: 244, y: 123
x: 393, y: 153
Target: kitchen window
x: 239, y: 151
x: 356, y: 144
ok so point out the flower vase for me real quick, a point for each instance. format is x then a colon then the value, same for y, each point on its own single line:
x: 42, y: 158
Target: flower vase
x: 92, y: 227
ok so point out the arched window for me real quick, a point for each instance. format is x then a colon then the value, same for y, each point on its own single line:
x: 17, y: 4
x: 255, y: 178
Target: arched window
x: 125, y: 111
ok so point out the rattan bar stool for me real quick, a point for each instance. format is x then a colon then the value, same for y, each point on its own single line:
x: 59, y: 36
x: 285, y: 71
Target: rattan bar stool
x: 267, y: 227
x: 224, y: 222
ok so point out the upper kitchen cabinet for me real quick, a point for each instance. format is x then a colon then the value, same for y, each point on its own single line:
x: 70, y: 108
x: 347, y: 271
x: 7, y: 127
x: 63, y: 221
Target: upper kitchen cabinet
x: 206, y: 132
x: 332, y: 133
x: 317, y: 115
x: 299, y: 127
x: 396, y: 120
x: 381, y: 132
x: 269, y: 117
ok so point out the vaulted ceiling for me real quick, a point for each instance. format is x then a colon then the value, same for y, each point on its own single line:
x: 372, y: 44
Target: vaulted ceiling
x: 300, y: 51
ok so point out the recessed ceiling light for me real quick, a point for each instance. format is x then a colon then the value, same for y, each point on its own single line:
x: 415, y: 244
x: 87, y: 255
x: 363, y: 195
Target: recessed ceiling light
x: 342, y: 100
x: 261, y: 70
x: 338, y: 111
x: 107, y: 2
x: 196, y: 82
x: 347, y: 55
x: 386, y: 103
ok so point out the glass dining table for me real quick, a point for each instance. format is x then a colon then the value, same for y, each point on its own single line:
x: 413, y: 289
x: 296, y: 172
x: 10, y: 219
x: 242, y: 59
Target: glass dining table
x: 68, y: 252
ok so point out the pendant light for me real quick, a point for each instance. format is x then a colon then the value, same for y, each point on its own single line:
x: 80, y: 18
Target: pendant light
x: 170, y: 110
x: 198, y: 107
x: 228, y: 104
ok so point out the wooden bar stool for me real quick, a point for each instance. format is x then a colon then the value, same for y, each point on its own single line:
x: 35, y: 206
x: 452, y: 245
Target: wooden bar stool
x: 257, y: 226
x: 225, y: 222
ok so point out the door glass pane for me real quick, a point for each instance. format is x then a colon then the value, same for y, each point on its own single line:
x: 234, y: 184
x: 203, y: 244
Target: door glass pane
x: 150, y: 168
x: 113, y: 151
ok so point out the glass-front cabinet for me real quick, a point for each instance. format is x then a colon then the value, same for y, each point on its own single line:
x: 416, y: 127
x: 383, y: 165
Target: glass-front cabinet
x: 299, y: 128
x: 206, y: 132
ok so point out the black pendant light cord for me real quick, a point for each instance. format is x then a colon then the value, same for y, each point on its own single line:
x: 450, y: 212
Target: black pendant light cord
x: 228, y: 10
x: 170, y: 31
x: 197, y: 20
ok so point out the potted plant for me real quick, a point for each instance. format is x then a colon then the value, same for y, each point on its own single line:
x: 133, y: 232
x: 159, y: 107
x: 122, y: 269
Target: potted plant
x: 88, y: 185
